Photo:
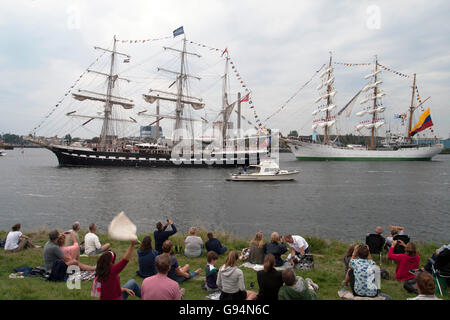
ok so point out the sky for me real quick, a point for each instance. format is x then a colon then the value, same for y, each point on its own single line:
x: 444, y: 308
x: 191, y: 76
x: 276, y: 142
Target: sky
x: 276, y: 47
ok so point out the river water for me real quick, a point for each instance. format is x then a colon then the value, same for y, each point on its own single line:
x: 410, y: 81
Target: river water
x: 334, y: 200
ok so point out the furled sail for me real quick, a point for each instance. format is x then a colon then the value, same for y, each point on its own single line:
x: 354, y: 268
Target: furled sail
x: 152, y: 98
x: 101, y: 97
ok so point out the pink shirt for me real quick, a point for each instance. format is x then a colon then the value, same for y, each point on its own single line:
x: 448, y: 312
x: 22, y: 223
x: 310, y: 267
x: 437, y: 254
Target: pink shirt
x: 70, y: 251
x: 160, y: 287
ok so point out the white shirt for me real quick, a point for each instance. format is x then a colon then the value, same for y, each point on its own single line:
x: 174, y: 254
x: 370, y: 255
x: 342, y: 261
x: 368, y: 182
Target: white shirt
x: 91, y: 243
x: 298, y: 243
x: 12, y: 240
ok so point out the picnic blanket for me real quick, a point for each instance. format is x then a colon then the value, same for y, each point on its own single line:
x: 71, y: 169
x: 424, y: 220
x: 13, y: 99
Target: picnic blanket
x: 82, y: 276
x: 258, y: 267
x: 348, y: 295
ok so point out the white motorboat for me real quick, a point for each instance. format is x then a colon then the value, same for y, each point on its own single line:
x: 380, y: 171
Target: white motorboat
x: 2, y: 153
x: 267, y: 170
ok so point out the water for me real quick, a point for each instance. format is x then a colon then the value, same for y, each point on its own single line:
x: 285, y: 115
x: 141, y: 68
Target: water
x: 342, y: 200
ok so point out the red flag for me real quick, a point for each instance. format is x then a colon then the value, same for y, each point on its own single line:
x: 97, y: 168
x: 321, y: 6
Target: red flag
x: 226, y: 50
x: 245, y: 99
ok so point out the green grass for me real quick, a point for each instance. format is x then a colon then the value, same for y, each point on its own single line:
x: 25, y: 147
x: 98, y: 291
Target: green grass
x: 328, y: 272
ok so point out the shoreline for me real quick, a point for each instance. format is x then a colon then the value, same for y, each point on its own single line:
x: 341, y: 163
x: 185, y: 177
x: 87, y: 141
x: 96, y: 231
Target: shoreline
x: 328, y: 270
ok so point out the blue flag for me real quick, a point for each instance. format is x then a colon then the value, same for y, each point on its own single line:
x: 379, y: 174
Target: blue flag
x: 178, y: 31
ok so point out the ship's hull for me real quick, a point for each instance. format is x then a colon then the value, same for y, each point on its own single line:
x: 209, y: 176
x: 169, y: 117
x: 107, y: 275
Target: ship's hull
x: 308, y: 151
x: 68, y: 156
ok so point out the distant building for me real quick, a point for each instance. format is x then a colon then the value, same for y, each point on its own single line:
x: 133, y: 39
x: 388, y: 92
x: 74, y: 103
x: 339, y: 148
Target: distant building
x: 150, y: 132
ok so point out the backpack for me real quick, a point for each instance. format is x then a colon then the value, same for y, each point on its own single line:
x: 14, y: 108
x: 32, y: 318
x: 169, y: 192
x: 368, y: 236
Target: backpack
x: 304, y: 262
x: 59, y: 271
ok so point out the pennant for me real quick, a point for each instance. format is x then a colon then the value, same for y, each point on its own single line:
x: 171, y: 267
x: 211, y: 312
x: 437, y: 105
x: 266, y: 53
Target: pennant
x: 245, y: 99
x: 224, y: 51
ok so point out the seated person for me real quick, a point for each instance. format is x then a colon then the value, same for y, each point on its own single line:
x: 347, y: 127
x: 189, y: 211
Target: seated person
x: 53, y: 252
x: 347, y: 257
x: 256, y: 251
x: 269, y: 280
x: 177, y: 273
x: 230, y: 280
x: 146, y: 258
x: 73, y: 252
x: 405, y: 261
x: 425, y: 286
x: 214, y: 244
x: 440, y: 259
x: 193, y: 244
x: 394, y: 230
x: 299, y: 246
x: 211, y: 272
x: 108, y: 276
x: 361, y: 273
x: 275, y: 248
x: 75, y: 230
x: 92, y: 244
x: 16, y: 240
x: 293, y: 289
x: 162, y: 235
x: 159, y: 286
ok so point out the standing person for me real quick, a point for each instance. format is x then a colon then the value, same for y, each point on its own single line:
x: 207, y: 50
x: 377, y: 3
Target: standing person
x: 52, y: 252
x: 162, y: 235
x: 159, y: 286
x: 92, y: 244
x: 275, y: 248
x: 230, y: 280
x: 108, y: 276
x: 193, y: 244
x: 16, y: 240
x: 425, y: 286
x: 176, y: 273
x: 299, y: 246
x: 214, y: 244
x: 269, y: 280
x: 405, y: 262
x: 211, y: 272
x: 76, y: 227
x: 293, y: 289
x: 146, y: 258
x: 256, y: 254
x: 361, y: 273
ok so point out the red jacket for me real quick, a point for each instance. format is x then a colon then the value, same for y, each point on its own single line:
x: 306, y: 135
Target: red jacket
x: 111, y: 289
x: 405, y: 263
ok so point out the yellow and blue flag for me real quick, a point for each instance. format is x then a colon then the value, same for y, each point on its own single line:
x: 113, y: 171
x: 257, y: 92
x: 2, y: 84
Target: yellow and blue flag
x: 423, y: 123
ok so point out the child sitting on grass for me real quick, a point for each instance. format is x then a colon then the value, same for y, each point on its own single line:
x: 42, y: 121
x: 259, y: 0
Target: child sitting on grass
x: 211, y: 272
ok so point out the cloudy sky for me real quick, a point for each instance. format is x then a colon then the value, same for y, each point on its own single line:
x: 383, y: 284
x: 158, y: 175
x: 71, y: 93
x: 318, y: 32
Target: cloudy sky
x: 276, y: 46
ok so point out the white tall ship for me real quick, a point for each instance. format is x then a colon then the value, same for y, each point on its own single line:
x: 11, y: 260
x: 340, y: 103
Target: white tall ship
x: 402, y: 149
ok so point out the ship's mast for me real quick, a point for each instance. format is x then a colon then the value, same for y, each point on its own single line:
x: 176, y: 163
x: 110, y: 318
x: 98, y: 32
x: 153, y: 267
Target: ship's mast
x: 225, y: 99
x: 374, y: 116
x: 179, y: 104
x: 107, y: 132
x: 411, y: 109
x: 327, y: 114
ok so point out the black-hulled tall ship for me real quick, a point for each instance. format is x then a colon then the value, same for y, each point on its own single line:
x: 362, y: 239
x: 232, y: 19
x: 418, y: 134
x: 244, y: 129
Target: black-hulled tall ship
x: 182, y: 150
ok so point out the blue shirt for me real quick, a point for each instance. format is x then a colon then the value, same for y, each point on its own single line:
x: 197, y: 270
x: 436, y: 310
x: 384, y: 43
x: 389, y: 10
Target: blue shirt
x: 213, y: 244
x: 146, y: 261
x: 161, y: 236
